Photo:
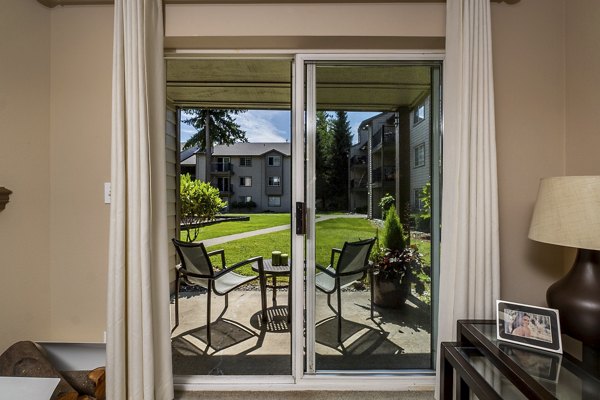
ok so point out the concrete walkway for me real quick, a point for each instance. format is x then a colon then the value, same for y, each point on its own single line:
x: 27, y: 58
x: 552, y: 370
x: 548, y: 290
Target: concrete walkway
x: 243, y: 235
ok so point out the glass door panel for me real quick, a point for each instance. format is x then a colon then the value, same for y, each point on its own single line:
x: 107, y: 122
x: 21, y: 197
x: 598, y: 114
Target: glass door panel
x: 222, y: 326
x: 370, y: 152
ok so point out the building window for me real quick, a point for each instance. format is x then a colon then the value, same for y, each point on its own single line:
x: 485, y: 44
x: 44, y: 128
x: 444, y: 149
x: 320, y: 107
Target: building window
x: 418, y: 202
x: 245, y: 199
x: 419, y: 114
x: 274, y: 181
x: 419, y: 155
x: 245, y: 181
x: 223, y: 184
x: 222, y: 164
x: 245, y: 161
x: 274, y: 201
x: 274, y: 161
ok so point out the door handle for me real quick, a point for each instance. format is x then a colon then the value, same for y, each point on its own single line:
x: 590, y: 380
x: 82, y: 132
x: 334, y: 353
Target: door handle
x: 300, y: 218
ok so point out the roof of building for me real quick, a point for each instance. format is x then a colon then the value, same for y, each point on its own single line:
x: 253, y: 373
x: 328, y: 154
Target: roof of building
x: 251, y: 149
x: 186, y: 157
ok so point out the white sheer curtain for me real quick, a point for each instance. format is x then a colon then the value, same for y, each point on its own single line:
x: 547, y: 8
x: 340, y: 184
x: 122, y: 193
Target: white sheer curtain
x: 469, y: 270
x: 138, y: 338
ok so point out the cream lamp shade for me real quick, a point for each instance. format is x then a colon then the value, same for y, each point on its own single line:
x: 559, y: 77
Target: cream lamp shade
x: 567, y: 212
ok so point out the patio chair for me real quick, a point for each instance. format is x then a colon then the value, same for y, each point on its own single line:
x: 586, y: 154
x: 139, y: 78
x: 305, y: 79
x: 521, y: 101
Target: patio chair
x: 197, y: 269
x: 352, y: 265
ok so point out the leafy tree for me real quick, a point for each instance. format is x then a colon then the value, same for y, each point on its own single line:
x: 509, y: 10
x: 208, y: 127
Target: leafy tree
x: 424, y: 217
x: 199, y: 202
x: 340, y: 150
x: 425, y: 197
x: 393, y: 233
x: 221, y: 126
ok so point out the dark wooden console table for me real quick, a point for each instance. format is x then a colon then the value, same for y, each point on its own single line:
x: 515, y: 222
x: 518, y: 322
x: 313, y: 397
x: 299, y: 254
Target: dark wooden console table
x: 493, y: 369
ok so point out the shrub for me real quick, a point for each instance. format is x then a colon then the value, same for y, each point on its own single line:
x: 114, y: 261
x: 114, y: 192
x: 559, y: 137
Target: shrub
x: 199, y: 202
x: 385, y: 203
x: 421, y: 223
x: 424, y: 224
x: 393, y: 233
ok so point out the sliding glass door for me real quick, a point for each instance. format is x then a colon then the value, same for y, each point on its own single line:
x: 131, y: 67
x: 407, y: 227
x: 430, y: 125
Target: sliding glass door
x: 372, y: 137
x: 335, y: 183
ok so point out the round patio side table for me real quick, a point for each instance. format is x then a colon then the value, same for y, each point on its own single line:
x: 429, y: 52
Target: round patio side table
x: 275, y: 271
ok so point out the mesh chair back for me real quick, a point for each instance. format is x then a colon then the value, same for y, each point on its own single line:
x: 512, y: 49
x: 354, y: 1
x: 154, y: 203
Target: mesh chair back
x: 354, y: 256
x: 194, y: 258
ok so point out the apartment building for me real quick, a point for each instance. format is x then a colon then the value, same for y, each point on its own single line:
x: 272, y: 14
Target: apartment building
x: 250, y: 173
x: 392, y: 155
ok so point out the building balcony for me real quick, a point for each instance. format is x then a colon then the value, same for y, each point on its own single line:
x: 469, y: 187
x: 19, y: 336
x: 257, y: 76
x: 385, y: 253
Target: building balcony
x: 221, y: 168
x: 385, y: 174
x: 225, y: 190
x: 386, y: 134
x: 358, y: 184
x: 358, y: 161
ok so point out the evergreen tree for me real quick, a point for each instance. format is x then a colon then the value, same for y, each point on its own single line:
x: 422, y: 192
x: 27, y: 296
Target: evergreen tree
x: 222, y: 127
x: 340, y: 150
x: 393, y: 233
x: 322, y: 147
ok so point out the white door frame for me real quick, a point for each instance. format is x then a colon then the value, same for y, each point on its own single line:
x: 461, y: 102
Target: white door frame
x: 300, y: 380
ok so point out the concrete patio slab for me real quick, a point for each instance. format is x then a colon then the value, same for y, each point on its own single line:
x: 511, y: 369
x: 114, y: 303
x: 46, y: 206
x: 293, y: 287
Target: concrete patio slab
x: 243, y: 345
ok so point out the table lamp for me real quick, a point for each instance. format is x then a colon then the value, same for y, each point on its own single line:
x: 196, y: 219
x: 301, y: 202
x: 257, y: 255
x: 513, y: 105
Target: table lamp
x: 567, y: 213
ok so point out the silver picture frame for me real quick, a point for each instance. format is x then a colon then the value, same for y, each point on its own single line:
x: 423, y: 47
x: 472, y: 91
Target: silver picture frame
x: 528, y: 325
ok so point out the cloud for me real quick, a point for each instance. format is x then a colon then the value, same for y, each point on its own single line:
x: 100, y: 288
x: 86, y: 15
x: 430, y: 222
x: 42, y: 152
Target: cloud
x: 264, y: 126
x: 187, y: 131
x: 259, y: 125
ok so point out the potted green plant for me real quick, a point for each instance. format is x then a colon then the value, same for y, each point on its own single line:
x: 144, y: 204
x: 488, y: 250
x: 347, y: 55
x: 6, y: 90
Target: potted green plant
x: 394, y: 274
x: 396, y: 265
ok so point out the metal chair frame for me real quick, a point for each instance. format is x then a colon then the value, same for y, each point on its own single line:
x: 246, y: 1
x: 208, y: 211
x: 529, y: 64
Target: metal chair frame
x: 183, y: 273
x: 338, y: 275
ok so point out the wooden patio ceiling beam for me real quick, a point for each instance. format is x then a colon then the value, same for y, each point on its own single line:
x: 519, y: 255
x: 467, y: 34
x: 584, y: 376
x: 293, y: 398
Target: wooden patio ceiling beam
x: 54, y: 3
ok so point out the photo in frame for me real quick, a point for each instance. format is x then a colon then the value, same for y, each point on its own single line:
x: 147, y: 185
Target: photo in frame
x: 527, y: 325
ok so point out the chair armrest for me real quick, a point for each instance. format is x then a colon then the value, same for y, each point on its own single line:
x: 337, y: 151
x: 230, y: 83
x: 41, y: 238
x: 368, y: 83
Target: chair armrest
x: 333, y: 252
x: 235, y: 266
x: 183, y: 272
x: 215, y: 252
x: 326, y: 271
x: 356, y: 271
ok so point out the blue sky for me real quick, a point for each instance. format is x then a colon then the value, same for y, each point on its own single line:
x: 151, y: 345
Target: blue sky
x: 272, y: 126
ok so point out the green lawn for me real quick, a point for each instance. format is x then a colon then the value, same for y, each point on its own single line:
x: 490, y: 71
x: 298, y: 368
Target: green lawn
x: 424, y: 247
x: 257, y: 221
x: 334, y: 232
x: 330, y: 233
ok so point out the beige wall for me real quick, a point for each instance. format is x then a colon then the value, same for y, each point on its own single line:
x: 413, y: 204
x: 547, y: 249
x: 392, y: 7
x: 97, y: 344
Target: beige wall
x: 24, y: 162
x: 80, y: 129
x: 546, y: 60
x: 529, y: 78
x: 583, y: 87
x: 306, y: 19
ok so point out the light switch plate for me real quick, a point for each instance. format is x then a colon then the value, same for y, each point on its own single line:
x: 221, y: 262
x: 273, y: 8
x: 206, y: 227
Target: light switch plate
x: 107, y: 192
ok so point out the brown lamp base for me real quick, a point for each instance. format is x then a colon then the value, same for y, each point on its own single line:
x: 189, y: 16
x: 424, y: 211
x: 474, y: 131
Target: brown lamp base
x: 577, y: 298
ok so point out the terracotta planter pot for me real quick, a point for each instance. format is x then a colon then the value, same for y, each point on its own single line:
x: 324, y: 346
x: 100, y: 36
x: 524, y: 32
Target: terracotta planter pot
x: 390, y: 293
